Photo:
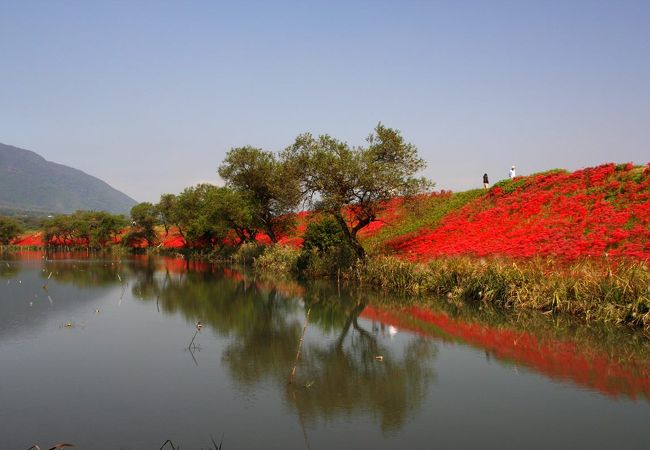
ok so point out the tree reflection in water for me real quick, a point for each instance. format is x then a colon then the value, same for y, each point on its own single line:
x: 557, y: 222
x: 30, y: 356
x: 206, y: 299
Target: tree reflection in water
x: 8, y: 270
x: 338, y: 374
x: 345, y: 377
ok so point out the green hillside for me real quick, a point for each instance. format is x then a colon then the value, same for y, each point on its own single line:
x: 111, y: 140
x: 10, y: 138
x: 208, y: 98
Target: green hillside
x: 29, y: 182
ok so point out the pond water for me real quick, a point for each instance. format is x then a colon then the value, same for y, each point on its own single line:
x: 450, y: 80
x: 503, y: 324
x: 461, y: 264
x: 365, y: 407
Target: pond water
x: 106, y: 354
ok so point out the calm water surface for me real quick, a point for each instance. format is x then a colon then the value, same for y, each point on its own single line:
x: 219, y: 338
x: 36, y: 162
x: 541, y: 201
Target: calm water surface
x: 97, y: 353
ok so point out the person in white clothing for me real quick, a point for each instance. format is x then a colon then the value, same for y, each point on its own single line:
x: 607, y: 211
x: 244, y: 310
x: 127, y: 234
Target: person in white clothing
x: 512, y: 172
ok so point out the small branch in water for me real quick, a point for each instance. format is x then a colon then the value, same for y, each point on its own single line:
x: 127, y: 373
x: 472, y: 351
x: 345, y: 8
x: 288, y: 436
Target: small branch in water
x: 193, y: 337
x: 47, y: 281
x: 302, y: 338
x: 217, y: 447
x: 56, y: 446
x: 171, y: 444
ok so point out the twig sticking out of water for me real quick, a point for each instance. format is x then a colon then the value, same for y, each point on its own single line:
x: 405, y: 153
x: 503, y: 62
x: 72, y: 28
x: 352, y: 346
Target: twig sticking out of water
x: 199, y: 325
x: 123, y: 289
x: 171, y: 444
x: 217, y: 447
x: 302, y: 338
x: 48, y: 280
x: 192, y: 341
x: 163, y: 289
x: 173, y: 447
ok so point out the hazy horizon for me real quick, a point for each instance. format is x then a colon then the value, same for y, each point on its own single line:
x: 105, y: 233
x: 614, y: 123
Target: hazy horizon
x: 150, y: 97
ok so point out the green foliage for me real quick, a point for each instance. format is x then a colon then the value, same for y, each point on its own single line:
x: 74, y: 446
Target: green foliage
x: 233, y: 210
x: 206, y: 215
x: 272, y: 189
x: 144, y: 218
x: 192, y: 213
x: 327, y: 263
x: 165, y: 208
x: 10, y: 228
x: 278, y: 259
x: 322, y: 235
x: 247, y: 252
x: 325, y: 249
x: 103, y: 227
x: 354, y: 184
x: 95, y: 229
x: 510, y: 185
x: 589, y: 289
x: 29, y: 220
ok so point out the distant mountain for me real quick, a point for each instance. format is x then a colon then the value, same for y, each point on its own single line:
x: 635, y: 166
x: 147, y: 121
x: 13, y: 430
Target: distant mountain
x: 29, y: 182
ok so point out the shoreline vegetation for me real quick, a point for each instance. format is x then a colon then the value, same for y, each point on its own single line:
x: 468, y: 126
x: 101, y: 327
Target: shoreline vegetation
x: 589, y: 289
x: 575, y: 242
x: 611, y: 359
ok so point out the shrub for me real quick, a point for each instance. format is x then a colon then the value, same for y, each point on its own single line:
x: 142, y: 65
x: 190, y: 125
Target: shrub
x: 323, y: 234
x: 277, y: 258
x: 325, y: 249
x: 247, y: 252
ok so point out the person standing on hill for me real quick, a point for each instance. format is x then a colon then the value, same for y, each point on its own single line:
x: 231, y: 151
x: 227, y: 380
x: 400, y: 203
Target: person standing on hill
x: 512, y: 172
x: 486, y: 182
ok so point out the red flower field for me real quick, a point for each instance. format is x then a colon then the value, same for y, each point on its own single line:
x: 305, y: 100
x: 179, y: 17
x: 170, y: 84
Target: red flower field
x: 590, y: 212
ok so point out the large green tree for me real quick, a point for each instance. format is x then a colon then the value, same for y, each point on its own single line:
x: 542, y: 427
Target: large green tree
x: 272, y: 189
x: 205, y: 215
x: 165, y: 209
x: 233, y: 211
x: 353, y: 184
x: 190, y: 215
x: 144, y: 218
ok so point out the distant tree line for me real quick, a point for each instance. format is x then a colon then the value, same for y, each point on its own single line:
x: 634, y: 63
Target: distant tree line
x: 92, y: 229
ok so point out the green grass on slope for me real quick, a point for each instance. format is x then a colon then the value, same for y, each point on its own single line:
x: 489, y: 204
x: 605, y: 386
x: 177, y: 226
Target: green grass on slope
x: 420, y: 213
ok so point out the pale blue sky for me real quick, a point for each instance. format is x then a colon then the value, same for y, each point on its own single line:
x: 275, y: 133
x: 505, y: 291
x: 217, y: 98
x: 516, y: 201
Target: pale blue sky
x: 149, y: 96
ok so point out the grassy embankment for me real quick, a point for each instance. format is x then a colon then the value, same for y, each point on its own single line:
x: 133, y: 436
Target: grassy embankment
x: 568, y: 242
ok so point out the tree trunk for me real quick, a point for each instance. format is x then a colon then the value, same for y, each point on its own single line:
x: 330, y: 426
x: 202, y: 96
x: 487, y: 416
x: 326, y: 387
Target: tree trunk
x: 351, y: 237
x: 271, y: 234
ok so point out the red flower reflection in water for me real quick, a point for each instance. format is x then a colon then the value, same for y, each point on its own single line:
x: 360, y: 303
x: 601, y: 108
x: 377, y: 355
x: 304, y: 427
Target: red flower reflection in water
x: 557, y: 359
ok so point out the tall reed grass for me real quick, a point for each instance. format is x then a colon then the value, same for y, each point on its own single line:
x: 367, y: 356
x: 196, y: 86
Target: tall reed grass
x: 591, y: 289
